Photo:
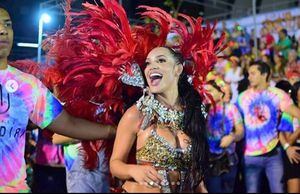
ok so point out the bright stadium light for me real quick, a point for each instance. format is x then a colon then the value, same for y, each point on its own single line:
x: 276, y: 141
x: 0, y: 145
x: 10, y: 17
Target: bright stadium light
x: 29, y: 45
x: 45, y: 18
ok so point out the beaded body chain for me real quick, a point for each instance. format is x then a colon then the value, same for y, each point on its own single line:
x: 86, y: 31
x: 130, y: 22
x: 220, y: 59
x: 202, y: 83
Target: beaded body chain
x: 157, y: 149
x: 153, y: 110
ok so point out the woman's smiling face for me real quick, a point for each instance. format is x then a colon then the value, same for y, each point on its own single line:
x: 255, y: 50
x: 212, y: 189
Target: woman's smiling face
x: 162, y: 70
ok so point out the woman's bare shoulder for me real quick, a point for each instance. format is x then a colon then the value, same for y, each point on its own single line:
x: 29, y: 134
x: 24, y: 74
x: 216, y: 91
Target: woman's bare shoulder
x: 133, y: 113
x: 132, y: 118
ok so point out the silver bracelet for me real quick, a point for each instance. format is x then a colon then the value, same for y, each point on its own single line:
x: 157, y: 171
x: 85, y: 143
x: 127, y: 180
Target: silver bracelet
x: 286, y: 146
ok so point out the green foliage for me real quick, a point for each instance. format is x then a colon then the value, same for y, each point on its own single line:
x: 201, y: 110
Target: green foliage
x: 170, y: 4
x: 174, y: 7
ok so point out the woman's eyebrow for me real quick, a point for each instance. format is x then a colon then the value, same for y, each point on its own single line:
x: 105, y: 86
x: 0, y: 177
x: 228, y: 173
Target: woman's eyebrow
x: 160, y: 56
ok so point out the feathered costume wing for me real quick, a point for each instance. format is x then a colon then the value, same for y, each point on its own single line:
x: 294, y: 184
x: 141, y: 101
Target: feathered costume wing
x: 89, y: 53
x: 27, y: 66
x: 98, y: 41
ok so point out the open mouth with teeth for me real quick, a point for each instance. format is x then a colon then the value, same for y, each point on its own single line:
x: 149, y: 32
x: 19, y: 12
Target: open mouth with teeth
x: 155, y: 78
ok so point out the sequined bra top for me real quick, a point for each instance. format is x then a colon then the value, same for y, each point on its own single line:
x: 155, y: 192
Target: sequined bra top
x: 160, y: 153
x: 157, y: 150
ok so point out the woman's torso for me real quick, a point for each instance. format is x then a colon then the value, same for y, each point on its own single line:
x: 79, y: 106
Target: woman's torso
x: 162, y: 143
x: 163, y: 149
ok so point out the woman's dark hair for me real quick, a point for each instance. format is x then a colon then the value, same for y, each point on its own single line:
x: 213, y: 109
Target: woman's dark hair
x: 295, y: 89
x: 194, y: 125
x: 285, y: 86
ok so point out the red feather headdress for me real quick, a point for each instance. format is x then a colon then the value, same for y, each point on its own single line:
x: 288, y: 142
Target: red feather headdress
x: 89, y: 53
x: 98, y: 41
x: 197, y: 47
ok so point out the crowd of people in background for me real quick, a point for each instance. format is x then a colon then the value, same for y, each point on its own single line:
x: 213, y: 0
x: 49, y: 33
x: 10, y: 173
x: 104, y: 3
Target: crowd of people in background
x: 277, y: 45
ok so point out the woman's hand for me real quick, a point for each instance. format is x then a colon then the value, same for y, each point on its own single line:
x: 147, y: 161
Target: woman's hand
x: 145, y: 175
x: 293, y: 155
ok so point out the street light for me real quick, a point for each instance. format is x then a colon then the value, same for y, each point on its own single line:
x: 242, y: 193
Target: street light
x: 45, y: 18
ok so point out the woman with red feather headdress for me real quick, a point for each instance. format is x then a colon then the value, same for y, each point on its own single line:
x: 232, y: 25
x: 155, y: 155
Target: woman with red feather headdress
x: 168, y: 121
x: 88, y: 54
x: 100, y: 57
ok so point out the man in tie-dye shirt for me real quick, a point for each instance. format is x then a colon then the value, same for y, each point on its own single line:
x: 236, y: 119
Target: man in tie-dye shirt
x: 261, y: 107
x: 224, y: 129
x: 24, y: 97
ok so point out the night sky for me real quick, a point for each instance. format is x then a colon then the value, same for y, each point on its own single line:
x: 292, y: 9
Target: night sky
x: 25, y: 17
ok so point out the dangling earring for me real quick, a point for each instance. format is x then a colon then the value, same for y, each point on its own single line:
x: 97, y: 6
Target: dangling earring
x: 136, y: 79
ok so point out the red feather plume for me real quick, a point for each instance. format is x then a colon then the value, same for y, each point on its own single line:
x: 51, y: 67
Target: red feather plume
x: 88, y: 54
x: 198, y: 47
x: 97, y: 41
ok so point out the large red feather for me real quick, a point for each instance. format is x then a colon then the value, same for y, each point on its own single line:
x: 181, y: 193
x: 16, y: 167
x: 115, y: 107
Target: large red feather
x: 98, y: 40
